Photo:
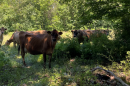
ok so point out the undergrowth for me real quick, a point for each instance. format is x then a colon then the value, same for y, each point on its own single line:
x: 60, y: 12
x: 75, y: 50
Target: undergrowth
x: 71, y: 64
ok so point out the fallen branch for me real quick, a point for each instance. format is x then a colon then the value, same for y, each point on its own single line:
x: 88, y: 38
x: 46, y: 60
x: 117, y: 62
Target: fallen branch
x: 111, y: 74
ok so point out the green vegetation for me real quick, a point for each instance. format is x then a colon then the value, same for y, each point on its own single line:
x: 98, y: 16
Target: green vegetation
x: 71, y: 62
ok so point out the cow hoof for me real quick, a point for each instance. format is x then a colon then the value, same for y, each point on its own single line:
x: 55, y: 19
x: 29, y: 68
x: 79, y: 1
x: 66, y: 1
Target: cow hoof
x: 25, y: 65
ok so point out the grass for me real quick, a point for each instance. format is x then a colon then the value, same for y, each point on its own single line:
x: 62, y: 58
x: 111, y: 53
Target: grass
x: 64, y: 71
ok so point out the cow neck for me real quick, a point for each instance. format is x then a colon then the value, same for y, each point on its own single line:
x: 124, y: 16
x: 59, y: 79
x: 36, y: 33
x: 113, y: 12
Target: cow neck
x: 53, y: 44
x: 11, y: 39
x: 85, y: 33
x: 81, y: 33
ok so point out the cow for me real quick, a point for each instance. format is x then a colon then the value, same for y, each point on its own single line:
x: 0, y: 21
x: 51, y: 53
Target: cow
x: 39, y: 44
x: 15, y: 37
x: 81, y: 35
x: 98, y: 33
x: 1, y: 34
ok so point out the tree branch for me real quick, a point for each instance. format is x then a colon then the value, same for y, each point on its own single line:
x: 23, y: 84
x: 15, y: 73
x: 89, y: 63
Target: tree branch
x: 112, y: 74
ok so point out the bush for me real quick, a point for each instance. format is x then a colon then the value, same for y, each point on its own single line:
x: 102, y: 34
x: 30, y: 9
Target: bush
x: 101, y: 50
x: 3, y: 61
x: 67, y: 48
x: 4, y: 70
x: 97, y: 49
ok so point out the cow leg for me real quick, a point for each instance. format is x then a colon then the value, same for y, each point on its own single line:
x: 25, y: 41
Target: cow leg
x: 15, y: 44
x: 23, y: 54
x: 0, y: 44
x: 50, y: 60
x: 18, y: 49
x: 44, y: 58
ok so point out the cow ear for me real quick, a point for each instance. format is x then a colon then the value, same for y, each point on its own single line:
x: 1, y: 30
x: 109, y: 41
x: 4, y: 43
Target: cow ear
x: 5, y: 29
x: 60, y: 33
x: 49, y: 32
x: 72, y: 30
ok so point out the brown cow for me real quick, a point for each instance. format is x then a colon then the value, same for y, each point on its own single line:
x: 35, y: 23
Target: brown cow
x: 15, y: 37
x: 1, y: 34
x: 38, y: 44
x: 106, y: 32
x: 98, y: 33
x: 81, y: 34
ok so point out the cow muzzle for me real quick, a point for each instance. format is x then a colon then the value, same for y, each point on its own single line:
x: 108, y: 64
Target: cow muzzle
x: 74, y: 35
x: 54, y: 40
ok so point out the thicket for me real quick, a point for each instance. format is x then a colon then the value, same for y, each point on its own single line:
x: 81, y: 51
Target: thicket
x: 101, y: 50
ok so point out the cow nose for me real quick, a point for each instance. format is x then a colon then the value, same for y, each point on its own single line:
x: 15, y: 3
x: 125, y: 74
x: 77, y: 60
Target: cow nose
x: 54, y: 39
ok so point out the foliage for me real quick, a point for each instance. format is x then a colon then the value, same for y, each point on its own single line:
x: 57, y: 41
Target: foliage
x: 66, y: 15
x: 68, y: 48
x: 126, y: 63
x: 100, y: 49
x: 64, y: 71
x: 2, y: 60
x: 37, y: 14
x: 4, y: 63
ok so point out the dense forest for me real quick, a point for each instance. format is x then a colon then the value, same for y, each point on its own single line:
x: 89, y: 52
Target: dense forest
x: 109, y: 52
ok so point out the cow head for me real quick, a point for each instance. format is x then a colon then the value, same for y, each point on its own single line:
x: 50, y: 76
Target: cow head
x: 106, y: 32
x: 7, y: 42
x: 2, y: 30
x: 76, y: 33
x: 55, y: 35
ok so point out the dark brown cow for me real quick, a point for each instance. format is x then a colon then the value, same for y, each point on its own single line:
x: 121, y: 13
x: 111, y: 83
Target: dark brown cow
x: 1, y: 34
x: 39, y: 44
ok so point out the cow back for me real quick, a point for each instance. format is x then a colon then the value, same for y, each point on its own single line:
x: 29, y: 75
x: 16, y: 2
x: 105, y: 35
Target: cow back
x: 36, y: 44
x: 38, y: 32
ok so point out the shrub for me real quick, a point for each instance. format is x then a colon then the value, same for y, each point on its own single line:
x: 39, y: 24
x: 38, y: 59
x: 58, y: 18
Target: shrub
x: 67, y: 48
x: 3, y: 61
x: 4, y: 71
x: 97, y: 49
